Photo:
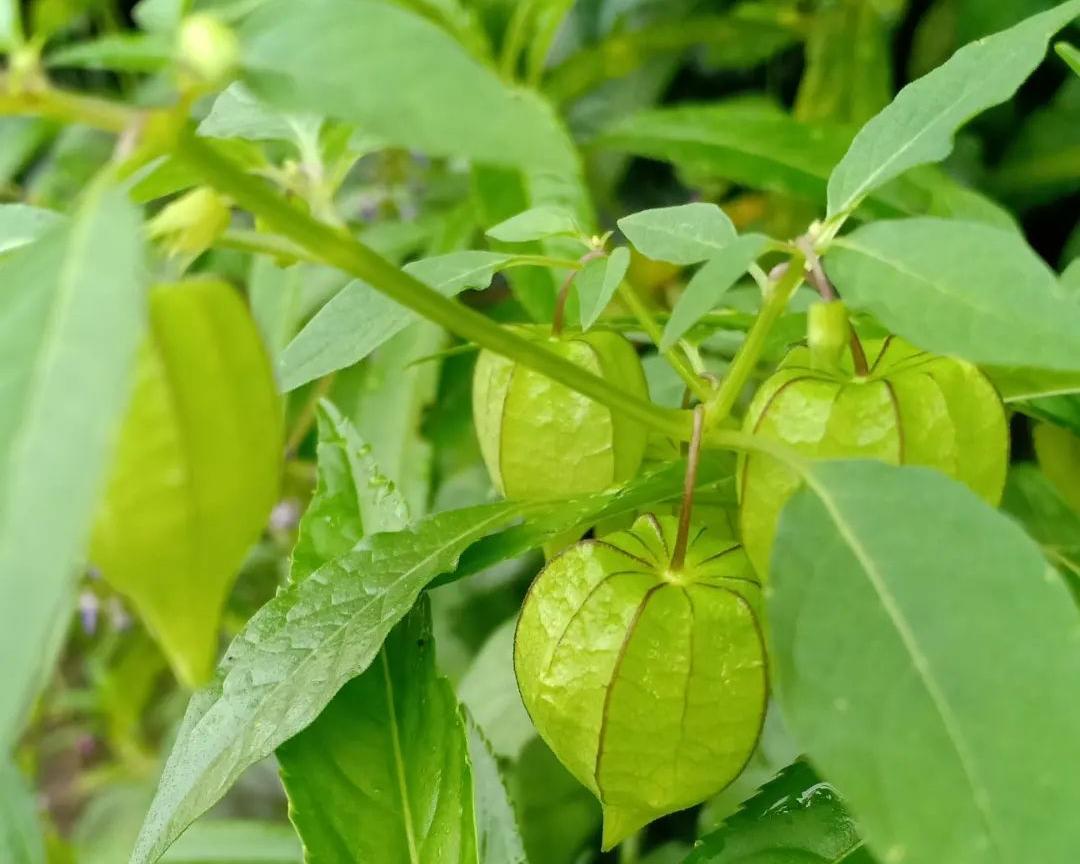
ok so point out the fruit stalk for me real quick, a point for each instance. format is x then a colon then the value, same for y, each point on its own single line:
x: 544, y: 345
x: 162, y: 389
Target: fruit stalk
x: 678, y: 556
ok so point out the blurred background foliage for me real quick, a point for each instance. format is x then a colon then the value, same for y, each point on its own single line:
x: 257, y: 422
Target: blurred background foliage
x: 748, y: 104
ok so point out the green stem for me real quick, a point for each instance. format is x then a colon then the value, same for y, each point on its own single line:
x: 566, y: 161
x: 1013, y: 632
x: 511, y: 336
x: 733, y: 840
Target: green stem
x: 641, y: 312
x: 259, y: 243
x: 41, y: 100
x: 678, y: 557
x: 344, y: 252
x: 514, y: 39
x: 745, y: 362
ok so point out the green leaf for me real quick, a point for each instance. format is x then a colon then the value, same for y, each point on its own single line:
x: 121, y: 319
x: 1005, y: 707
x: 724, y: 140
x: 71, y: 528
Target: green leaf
x: 310, y: 56
x: 21, y: 839
x: 489, y: 691
x: 352, y: 498
x: 160, y: 15
x: 1070, y: 54
x: 919, y: 125
x: 551, y: 520
x: 384, y: 771
x: 1070, y: 280
x: 848, y: 76
x: 597, y: 282
x: 359, y: 319
x: 232, y: 841
x: 558, y: 815
x: 686, y: 234
x: 795, y: 818
x: 1058, y: 452
x: 897, y: 630
x: 70, y: 318
x: 388, y: 399
x: 10, y: 24
x: 1018, y: 384
x: 711, y: 283
x: 498, y: 840
x: 1042, y: 161
x: 196, y: 469
x: 283, y: 298
x: 123, y: 52
x: 295, y: 654
x: 238, y: 113
x: 1032, y: 499
x: 20, y: 224
x: 757, y: 144
x: 745, y: 38
x: 959, y: 288
x: 537, y: 223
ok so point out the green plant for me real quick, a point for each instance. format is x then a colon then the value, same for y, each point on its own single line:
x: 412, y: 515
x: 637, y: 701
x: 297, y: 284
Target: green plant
x: 323, y: 323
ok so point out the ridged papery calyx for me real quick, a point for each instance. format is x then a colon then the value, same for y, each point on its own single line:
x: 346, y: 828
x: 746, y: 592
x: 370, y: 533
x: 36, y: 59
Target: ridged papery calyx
x: 648, y: 684
x: 539, y: 438
x: 912, y: 408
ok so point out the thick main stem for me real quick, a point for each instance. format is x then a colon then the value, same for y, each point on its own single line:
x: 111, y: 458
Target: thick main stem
x: 678, y: 556
x: 747, y: 359
x: 342, y: 251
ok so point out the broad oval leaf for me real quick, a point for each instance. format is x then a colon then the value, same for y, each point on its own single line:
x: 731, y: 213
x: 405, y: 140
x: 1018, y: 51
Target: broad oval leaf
x: 959, y: 288
x: 926, y: 658
x: 384, y: 771
x: 359, y: 319
x: 709, y: 284
x: 295, y: 653
x: 919, y: 125
x: 597, y: 282
x: 71, y: 313
x: 398, y: 76
x: 195, y: 472
x: 685, y: 234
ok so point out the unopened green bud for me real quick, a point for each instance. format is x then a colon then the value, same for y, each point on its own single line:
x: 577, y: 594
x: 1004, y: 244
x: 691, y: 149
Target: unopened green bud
x: 828, y: 333
x: 190, y: 224
x: 209, y: 50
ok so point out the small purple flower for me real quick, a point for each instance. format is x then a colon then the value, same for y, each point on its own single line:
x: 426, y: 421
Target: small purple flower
x: 89, y: 608
x: 285, y: 515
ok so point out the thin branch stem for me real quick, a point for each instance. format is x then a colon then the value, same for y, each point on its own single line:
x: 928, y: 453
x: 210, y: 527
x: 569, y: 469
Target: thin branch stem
x: 42, y: 100
x: 682, y: 367
x: 340, y: 250
x: 750, y: 353
x: 678, y: 556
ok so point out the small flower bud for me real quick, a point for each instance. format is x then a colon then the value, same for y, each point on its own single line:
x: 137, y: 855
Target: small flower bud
x: 190, y: 224
x: 208, y: 49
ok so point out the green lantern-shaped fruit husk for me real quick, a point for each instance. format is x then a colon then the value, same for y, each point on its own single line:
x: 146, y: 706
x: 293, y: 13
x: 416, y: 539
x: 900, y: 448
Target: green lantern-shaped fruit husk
x: 649, y: 685
x: 913, y: 408
x: 542, y: 440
